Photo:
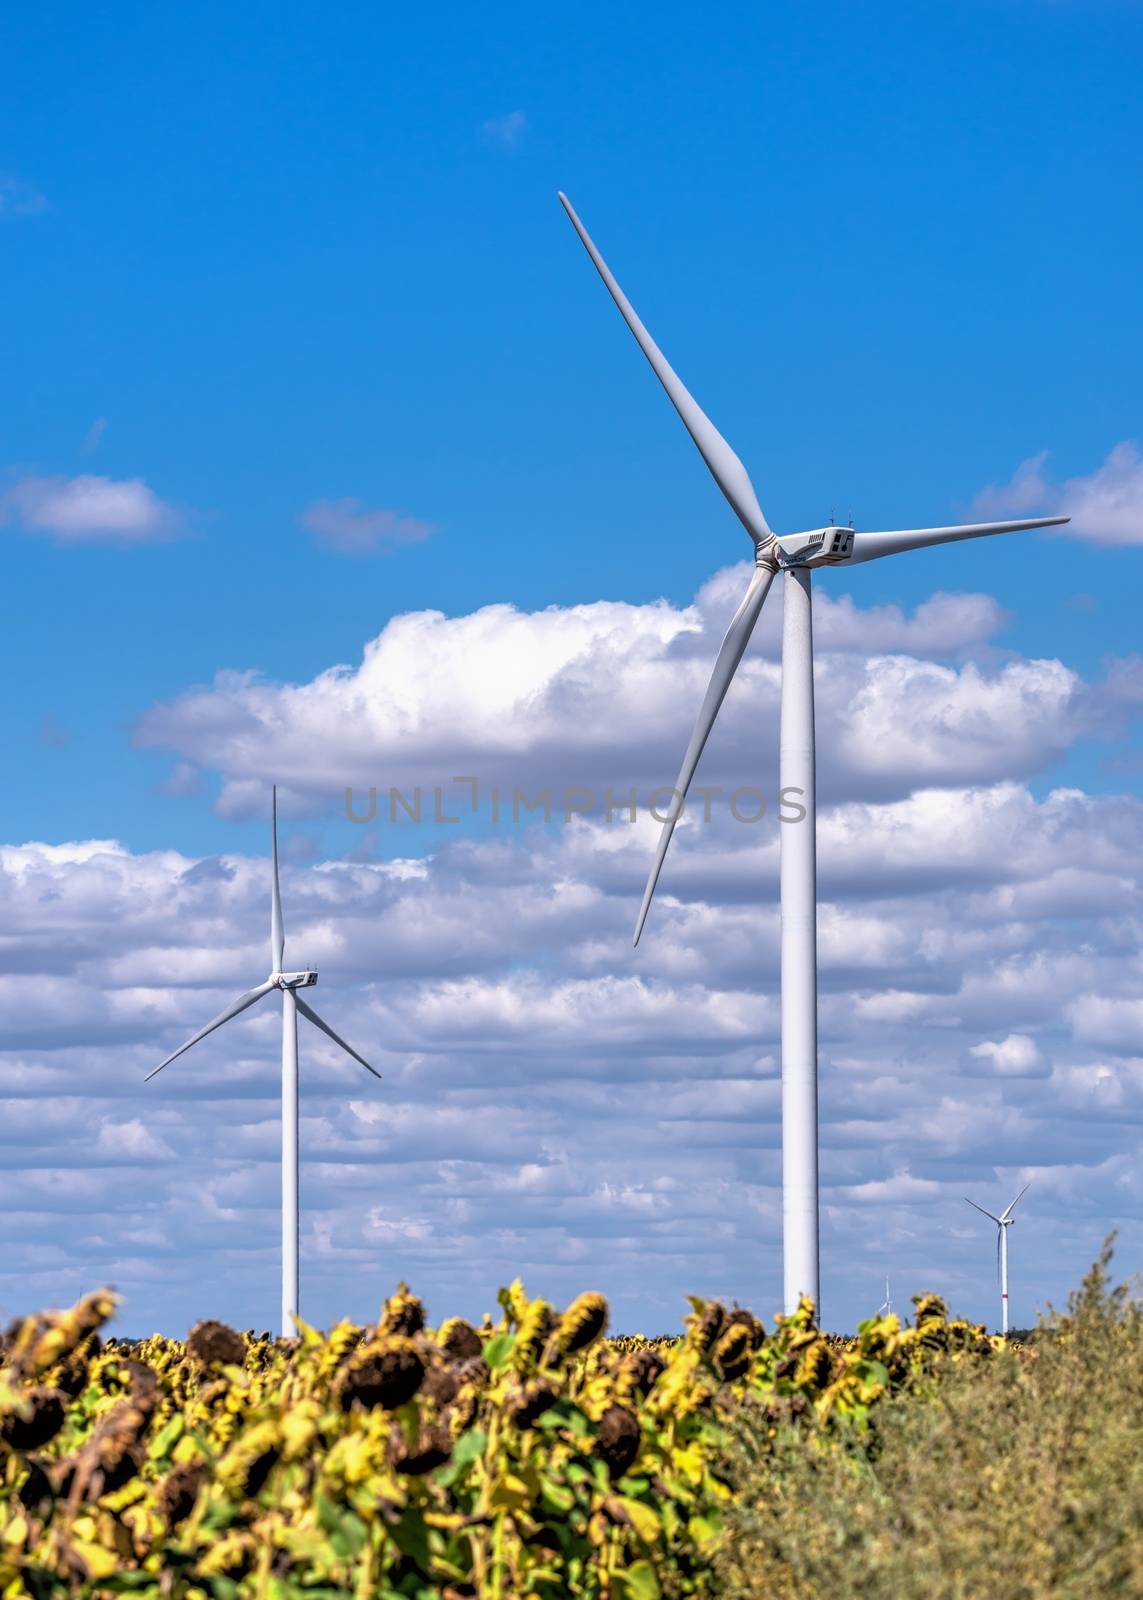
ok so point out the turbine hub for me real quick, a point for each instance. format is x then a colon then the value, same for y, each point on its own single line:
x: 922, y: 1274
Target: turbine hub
x: 295, y: 980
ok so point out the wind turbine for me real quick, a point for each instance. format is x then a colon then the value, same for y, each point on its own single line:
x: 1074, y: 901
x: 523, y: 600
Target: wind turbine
x: 289, y: 983
x: 885, y: 1309
x: 795, y: 555
x: 1003, y: 1222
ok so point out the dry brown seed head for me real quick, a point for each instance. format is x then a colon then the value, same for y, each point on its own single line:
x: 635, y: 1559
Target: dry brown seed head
x: 459, y: 1339
x: 402, y: 1313
x: 584, y: 1321
x: 49, y: 1411
x: 212, y: 1344
x: 386, y: 1373
x: 619, y: 1439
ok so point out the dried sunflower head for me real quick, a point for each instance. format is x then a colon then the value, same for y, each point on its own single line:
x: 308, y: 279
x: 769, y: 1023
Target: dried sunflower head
x: 929, y: 1306
x: 584, y: 1321
x: 536, y: 1327
x: 178, y: 1491
x: 748, y: 1320
x: 213, y: 1344
x: 45, y: 1410
x: 733, y: 1351
x: 245, y: 1467
x: 619, y: 1439
x: 459, y: 1339
x: 386, y: 1373
x: 815, y: 1366
x: 526, y: 1403
x: 402, y: 1313
x: 706, y: 1323
x: 432, y: 1449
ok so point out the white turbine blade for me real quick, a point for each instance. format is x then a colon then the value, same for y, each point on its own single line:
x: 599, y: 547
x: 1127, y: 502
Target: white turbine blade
x: 982, y: 1211
x: 277, y: 930
x: 243, y: 1001
x: 308, y: 1011
x: 870, y: 546
x: 999, y: 1236
x: 725, y: 467
x: 1010, y: 1209
x: 733, y: 646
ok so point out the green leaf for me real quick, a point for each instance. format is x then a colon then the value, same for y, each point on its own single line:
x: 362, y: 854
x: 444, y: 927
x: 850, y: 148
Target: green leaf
x: 348, y: 1538
x: 644, y: 1520
x: 498, y: 1350
x: 469, y: 1446
x: 637, y: 1582
x: 556, y: 1495
x: 467, y: 1449
x: 169, y: 1435
x: 412, y: 1538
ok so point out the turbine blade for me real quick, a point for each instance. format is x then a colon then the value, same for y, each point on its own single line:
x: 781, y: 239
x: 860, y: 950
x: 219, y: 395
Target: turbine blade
x: 241, y: 1004
x: 725, y: 467
x: 308, y: 1011
x: 982, y: 1211
x: 277, y: 930
x: 870, y: 546
x: 999, y: 1236
x: 1004, y: 1215
x: 733, y: 646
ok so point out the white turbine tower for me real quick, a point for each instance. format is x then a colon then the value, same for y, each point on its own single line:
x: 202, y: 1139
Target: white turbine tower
x: 1003, y: 1222
x: 289, y: 983
x: 794, y: 554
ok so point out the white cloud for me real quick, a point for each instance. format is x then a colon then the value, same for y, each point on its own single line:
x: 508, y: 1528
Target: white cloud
x: 605, y: 694
x: 507, y: 130
x: 87, y: 508
x: 131, y: 1142
x: 349, y: 526
x: 1017, y: 1056
x: 555, y: 1104
x: 1106, y: 507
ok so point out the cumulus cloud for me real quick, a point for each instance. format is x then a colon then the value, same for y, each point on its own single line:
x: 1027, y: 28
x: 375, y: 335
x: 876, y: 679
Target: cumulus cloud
x: 1106, y: 507
x: 556, y: 1104
x: 87, y: 508
x: 353, y: 528
x: 1017, y: 1056
x: 605, y: 695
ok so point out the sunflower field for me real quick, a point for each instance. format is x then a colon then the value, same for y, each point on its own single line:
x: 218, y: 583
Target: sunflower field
x: 531, y: 1458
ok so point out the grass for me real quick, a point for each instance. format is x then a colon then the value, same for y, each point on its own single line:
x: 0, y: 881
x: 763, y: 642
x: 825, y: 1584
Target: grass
x: 1021, y: 1476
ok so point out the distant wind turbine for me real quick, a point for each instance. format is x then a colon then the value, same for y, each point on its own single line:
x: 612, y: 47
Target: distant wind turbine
x: 289, y: 983
x: 794, y: 554
x: 1003, y: 1222
x: 885, y: 1309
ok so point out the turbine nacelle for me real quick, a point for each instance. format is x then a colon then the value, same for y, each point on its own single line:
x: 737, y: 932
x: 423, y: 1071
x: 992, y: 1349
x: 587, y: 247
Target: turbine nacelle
x: 293, y: 980
x: 816, y: 547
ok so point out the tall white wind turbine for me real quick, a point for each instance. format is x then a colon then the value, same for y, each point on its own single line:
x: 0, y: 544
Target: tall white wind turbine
x: 289, y: 983
x: 795, y: 555
x: 1003, y: 1222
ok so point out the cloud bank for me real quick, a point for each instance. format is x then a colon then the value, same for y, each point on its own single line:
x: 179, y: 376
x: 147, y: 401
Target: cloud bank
x: 554, y: 1103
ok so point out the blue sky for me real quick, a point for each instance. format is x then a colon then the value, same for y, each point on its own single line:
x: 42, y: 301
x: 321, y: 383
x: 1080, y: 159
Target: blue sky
x: 266, y: 263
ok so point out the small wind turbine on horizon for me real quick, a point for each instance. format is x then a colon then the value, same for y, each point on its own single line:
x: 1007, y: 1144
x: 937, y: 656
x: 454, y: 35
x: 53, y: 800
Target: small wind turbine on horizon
x: 1003, y: 1222
x: 885, y: 1309
x: 289, y: 983
x: 795, y: 555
